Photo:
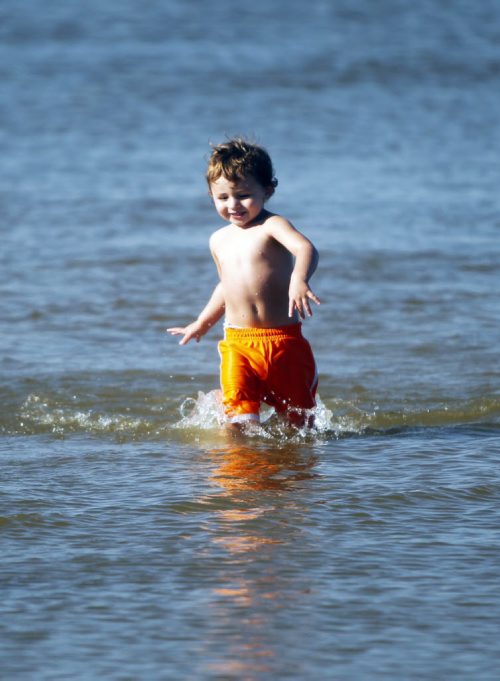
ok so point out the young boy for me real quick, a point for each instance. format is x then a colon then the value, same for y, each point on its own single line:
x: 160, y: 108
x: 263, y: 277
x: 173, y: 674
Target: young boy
x: 264, y: 266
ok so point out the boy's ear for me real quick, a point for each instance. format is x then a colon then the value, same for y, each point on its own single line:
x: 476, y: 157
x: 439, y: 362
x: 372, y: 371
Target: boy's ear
x: 269, y: 191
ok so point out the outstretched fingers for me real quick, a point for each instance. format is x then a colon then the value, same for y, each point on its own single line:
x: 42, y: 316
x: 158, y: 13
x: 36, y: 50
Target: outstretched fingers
x: 186, y: 332
x: 312, y: 296
x: 302, y: 304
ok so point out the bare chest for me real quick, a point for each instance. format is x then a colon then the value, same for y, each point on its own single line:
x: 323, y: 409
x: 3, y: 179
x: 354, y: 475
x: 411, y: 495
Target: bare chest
x: 245, y: 249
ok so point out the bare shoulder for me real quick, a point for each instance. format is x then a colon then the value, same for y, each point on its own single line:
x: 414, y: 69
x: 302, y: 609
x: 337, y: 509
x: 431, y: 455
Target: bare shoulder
x: 278, y: 224
x: 282, y: 230
x: 218, y: 236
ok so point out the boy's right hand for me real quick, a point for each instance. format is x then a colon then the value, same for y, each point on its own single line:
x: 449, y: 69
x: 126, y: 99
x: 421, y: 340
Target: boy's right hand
x: 193, y: 330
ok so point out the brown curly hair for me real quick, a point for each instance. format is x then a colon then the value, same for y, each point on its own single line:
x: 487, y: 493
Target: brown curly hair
x: 236, y: 159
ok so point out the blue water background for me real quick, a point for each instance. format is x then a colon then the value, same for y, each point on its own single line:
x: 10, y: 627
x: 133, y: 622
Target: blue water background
x: 136, y: 542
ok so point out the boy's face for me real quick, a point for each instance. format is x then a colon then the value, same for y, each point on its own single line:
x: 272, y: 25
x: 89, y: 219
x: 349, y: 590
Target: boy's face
x: 241, y: 202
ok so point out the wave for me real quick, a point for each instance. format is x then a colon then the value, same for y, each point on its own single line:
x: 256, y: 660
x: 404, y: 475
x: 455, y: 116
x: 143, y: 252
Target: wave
x: 187, y: 418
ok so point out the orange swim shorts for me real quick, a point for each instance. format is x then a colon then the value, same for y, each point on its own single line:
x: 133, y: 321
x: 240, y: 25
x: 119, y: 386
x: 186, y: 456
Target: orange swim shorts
x: 275, y: 366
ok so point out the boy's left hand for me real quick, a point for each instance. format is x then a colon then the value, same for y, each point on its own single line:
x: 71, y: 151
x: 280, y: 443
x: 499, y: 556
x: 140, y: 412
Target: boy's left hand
x: 299, y: 296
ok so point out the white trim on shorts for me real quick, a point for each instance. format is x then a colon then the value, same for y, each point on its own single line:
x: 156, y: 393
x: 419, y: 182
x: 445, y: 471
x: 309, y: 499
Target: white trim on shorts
x: 243, y: 418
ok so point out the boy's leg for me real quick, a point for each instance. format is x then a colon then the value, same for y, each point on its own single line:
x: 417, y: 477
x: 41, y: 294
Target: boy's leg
x: 241, y: 387
x: 293, y: 381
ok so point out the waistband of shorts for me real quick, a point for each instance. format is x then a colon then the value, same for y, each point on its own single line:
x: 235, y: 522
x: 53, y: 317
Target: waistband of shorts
x: 288, y: 331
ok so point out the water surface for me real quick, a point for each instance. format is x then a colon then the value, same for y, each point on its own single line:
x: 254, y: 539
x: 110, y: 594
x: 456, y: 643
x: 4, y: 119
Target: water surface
x: 138, y: 542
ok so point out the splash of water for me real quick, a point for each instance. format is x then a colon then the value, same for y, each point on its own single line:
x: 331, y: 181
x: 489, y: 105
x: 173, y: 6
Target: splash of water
x: 43, y: 414
x: 343, y: 418
x: 206, y: 412
x: 203, y: 415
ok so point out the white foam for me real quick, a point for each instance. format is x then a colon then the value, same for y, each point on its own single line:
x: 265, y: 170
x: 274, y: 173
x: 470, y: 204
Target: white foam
x: 206, y: 412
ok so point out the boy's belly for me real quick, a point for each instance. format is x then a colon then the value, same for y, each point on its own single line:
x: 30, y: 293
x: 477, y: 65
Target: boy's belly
x: 259, y: 314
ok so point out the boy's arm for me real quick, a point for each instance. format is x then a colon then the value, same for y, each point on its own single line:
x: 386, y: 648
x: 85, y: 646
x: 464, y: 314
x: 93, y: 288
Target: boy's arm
x: 209, y: 316
x: 306, y: 261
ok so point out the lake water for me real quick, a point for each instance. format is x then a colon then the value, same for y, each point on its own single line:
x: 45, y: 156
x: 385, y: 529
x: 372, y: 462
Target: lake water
x: 136, y: 541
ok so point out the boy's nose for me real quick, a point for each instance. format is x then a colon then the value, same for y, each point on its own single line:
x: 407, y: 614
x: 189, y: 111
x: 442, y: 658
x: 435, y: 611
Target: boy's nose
x: 233, y: 202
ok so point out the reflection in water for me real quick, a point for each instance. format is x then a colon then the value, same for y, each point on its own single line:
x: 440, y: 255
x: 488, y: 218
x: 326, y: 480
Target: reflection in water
x: 252, y: 539
x: 243, y: 467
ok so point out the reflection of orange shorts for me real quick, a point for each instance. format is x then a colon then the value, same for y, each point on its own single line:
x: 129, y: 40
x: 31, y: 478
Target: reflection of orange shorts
x: 275, y: 366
